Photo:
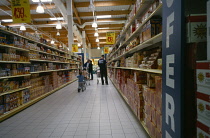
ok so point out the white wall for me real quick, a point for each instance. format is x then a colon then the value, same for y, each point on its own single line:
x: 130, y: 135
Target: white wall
x: 96, y: 53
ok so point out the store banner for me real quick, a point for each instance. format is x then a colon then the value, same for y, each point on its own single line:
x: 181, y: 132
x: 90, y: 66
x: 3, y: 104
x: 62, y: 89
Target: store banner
x: 110, y: 38
x: 21, y: 11
x: 106, y: 50
x: 74, y: 48
x: 173, y: 68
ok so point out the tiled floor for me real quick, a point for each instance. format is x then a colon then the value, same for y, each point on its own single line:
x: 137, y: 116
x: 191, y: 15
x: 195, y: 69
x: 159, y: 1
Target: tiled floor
x: 99, y: 112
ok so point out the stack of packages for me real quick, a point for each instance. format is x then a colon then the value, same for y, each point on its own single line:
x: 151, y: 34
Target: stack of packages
x: 37, y: 86
x: 47, y: 83
x: 203, y: 99
x: 54, y: 77
x: 153, y: 104
x: 134, y: 88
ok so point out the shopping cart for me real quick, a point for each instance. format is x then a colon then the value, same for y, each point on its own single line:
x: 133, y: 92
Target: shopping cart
x: 87, y: 80
x: 98, y: 75
x: 81, y: 86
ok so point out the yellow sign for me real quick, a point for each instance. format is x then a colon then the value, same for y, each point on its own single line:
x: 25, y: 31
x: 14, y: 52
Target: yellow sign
x: 74, y: 48
x: 110, y: 37
x: 21, y: 11
x: 106, y: 50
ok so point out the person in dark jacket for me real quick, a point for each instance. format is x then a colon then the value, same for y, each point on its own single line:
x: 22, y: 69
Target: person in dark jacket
x: 103, y: 70
x: 86, y: 65
x: 90, y: 69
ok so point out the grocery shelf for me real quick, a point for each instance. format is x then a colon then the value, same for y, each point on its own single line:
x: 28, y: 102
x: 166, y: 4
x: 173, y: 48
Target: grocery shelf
x: 126, y: 100
x: 20, y: 108
x: 49, y: 71
x: 6, y: 31
x: 39, y: 60
x: 46, y: 53
x: 16, y: 90
x: 7, y: 77
x: 17, y: 48
x: 136, y: 33
x: 145, y: 44
x: 17, y: 62
x: 157, y: 71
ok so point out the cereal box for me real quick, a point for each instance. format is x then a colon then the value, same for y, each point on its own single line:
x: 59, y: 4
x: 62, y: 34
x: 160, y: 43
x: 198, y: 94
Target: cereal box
x: 203, y: 73
x: 203, y: 129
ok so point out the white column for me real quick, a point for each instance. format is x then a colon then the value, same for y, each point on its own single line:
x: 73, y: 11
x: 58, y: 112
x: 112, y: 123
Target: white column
x: 84, y: 44
x: 70, y: 23
x: 89, y: 46
x: 208, y: 30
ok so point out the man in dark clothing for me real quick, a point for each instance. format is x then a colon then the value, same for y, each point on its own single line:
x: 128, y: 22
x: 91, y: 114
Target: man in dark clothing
x: 103, y: 70
x: 86, y: 65
x: 90, y: 69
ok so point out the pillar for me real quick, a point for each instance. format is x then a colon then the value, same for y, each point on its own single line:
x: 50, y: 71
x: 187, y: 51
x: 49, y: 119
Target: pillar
x: 70, y: 23
x: 84, y: 44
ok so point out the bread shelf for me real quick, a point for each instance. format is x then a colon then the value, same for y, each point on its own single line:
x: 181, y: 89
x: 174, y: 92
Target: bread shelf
x: 16, y: 90
x: 158, y: 11
x: 20, y: 108
x: 157, y: 71
x: 17, y: 48
x: 17, y: 62
x: 148, y: 43
x: 7, y: 77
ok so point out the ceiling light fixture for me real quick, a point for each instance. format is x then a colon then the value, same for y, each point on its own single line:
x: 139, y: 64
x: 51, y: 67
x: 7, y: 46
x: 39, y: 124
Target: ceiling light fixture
x: 52, y: 42
x: 94, y: 24
x: 97, y: 40
x: 58, y: 34
x: 22, y: 27
x: 98, y: 47
x: 96, y: 34
x: 7, y: 20
x: 59, y: 18
x: 104, y: 16
x: 58, y: 26
x: 40, y: 9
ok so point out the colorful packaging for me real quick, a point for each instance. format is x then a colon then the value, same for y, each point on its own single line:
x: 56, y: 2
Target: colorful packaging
x: 203, y: 73
x: 203, y: 129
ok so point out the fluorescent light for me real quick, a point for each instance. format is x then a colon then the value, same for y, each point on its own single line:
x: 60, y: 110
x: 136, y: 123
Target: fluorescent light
x: 104, y: 16
x: 54, y: 19
x: 79, y: 44
x: 40, y: 9
x: 58, y: 26
x: 97, y: 40
x: 22, y: 28
x: 52, y: 42
x: 98, y: 48
x: 96, y: 34
x: 7, y: 20
x: 94, y: 24
x: 42, y: 0
x: 58, y: 34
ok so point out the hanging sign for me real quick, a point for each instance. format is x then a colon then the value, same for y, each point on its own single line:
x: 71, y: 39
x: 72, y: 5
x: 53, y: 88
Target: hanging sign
x: 106, y: 50
x: 74, y: 48
x: 21, y: 11
x: 110, y: 37
x: 173, y: 68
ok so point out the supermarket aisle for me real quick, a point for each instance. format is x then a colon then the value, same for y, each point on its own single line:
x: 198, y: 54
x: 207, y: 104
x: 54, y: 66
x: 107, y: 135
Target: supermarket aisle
x: 99, y: 112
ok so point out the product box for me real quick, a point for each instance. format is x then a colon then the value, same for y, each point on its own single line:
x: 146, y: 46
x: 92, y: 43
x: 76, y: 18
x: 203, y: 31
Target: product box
x: 203, y: 129
x: 196, y: 28
x: 158, y: 103
x: 158, y: 85
x: 158, y: 121
x: 151, y: 80
x: 203, y: 73
x: 203, y: 103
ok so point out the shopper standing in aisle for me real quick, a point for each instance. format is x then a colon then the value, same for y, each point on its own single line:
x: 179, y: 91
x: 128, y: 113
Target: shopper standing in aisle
x: 90, y: 69
x: 103, y: 70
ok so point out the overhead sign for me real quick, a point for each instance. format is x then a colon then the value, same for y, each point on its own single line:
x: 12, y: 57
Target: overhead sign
x: 106, y: 50
x: 173, y: 50
x: 74, y: 48
x: 110, y: 37
x: 21, y: 11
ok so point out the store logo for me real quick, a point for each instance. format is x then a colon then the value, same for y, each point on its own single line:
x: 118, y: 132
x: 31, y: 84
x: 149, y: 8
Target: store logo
x: 200, y: 77
x: 201, y: 107
x: 200, y: 31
